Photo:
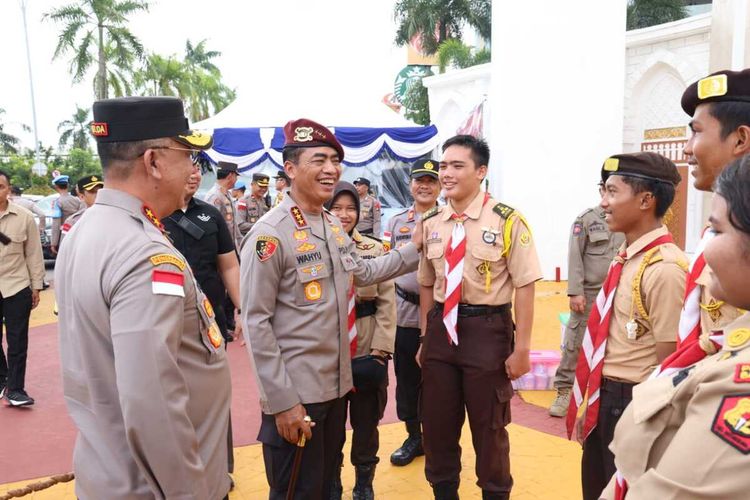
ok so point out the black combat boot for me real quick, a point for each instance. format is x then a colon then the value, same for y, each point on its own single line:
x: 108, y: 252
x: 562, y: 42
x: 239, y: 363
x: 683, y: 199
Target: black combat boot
x: 412, y: 447
x: 494, y: 495
x: 363, y: 483
x: 445, y: 491
x: 336, y: 489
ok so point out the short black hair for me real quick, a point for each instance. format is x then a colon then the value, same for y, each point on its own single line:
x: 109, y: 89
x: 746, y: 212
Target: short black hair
x: 664, y: 192
x: 731, y: 115
x: 480, y: 151
x: 733, y: 184
x: 5, y: 174
x: 111, y: 152
x: 291, y: 154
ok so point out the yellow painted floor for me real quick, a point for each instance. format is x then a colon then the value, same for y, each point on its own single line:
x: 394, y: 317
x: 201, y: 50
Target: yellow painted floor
x: 543, y: 466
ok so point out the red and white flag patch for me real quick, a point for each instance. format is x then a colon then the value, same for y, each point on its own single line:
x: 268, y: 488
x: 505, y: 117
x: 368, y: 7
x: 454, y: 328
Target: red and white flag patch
x: 167, y: 283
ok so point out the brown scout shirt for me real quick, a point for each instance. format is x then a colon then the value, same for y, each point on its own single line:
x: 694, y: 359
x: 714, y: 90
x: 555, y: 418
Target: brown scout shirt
x: 295, y: 276
x: 687, y: 435
x: 21, y: 261
x: 145, y: 373
x: 662, y: 290
x: 590, y: 252
x: 249, y: 210
x: 713, y: 317
x: 369, y: 215
x: 500, y: 245
x: 379, y: 330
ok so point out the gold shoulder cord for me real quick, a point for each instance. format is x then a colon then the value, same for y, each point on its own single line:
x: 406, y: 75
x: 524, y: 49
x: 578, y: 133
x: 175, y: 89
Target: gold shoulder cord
x: 637, y: 300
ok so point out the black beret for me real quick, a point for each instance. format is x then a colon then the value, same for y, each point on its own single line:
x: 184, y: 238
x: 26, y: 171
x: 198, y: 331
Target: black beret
x: 89, y: 182
x: 227, y: 166
x: 722, y: 86
x: 261, y: 179
x: 643, y: 165
x: 420, y: 168
x: 128, y: 119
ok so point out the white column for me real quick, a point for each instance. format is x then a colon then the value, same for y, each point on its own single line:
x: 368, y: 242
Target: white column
x: 558, y: 72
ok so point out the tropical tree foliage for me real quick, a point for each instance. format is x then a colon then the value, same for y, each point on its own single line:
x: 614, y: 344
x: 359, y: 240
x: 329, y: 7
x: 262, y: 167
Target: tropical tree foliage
x: 75, y: 131
x: 644, y: 13
x: 8, y: 142
x: 416, y: 103
x: 435, y: 21
x: 95, y: 33
x: 457, y: 54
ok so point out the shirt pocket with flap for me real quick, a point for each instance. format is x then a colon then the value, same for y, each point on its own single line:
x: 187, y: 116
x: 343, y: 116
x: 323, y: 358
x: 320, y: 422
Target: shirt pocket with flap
x: 485, y: 259
x: 17, y: 241
x: 312, y: 283
x: 598, y: 243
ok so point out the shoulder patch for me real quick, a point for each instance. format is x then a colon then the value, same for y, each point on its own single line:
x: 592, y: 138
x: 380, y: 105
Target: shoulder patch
x: 732, y: 422
x: 583, y: 214
x: 167, y: 258
x: 430, y: 213
x: 503, y: 210
x: 265, y: 247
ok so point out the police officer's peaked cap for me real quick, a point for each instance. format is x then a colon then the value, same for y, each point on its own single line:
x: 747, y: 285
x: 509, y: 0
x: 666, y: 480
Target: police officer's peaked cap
x: 89, y: 182
x: 240, y: 184
x: 227, y: 166
x: 61, y: 180
x: 282, y: 175
x: 261, y: 179
x: 422, y: 168
x: 722, y: 86
x: 128, y: 119
x: 304, y: 133
x: 642, y: 165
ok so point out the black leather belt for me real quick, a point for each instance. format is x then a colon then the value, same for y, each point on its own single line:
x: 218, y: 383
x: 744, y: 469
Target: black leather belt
x: 468, y: 310
x: 407, y: 296
x: 366, y: 308
x: 621, y: 390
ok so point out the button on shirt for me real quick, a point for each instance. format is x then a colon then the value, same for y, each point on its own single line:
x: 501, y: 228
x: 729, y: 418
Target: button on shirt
x: 400, y: 227
x: 21, y: 261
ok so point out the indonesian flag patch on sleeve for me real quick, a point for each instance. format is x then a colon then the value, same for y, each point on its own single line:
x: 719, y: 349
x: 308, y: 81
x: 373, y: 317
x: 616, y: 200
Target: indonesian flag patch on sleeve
x: 167, y: 283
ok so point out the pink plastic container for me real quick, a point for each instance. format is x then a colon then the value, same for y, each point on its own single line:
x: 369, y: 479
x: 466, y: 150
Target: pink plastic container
x: 541, y: 377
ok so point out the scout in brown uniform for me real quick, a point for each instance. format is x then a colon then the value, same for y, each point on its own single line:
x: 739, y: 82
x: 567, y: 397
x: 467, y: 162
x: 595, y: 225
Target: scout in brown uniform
x: 252, y: 206
x: 282, y: 185
x: 369, y: 209
x: 720, y: 109
x: 687, y: 435
x: 145, y: 375
x: 469, y: 355
x: 425, y: 189
x: 65, y: 206
x: 642, y: 306
x: 87, y: 187
x: 297, y: 323
x: 219, y: 196
x: 375, y: 312
x: 590, y: 251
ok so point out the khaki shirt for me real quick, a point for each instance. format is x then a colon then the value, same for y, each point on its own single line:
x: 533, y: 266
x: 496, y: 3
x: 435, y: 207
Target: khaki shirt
x: 21, y: 261
x: 713, y: 317
x: 400, y: 228
x: 379, y: 330
x: 68, y: 205
x: 33, y: 208
x: 590, y: 251
x: 687, y: 436
x: 65, y: 229
x: 295, y: 271
x: 145, y: 373
x: 226, y: 205
x: 662, y: 291
x: 249, y: 210
x: 510, y: 265
x: 369, y: 216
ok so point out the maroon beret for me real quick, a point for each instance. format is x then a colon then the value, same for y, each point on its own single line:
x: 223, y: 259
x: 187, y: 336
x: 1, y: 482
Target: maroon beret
x: 643, y: 165
x: 722, y: 86
x: 304, y: 133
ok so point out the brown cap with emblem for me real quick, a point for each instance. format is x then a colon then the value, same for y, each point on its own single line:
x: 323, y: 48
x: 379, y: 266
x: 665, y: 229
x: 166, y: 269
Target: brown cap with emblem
x: 260, y: 179
x: 422, y: 168
x: 304, y: 133
x: 89, y: 183
x: 227, y: 166
x: 643, y: 165
x: 722, y: 86
x: 129, y: 119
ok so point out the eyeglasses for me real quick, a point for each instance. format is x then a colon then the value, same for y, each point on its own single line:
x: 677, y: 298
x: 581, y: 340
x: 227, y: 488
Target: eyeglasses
x: 194, y: 153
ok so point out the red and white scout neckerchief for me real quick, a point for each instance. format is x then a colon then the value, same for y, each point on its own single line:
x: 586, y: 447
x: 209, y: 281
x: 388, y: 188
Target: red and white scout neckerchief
x: 352, y: 319
x: 591, y: 359
x: 455, y: 252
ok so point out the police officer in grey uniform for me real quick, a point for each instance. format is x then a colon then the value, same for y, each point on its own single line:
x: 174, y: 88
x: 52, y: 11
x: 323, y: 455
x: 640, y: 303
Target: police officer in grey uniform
x: 298, y: 337
x: 252, y: 206
x: 145, y: 374
x: 369, y: 209
x: 17, y: 198
x: 66, y: 205
x: 220, y: 196
x: 425, y: 189
x: 590, y: 251
x: 87, y: 188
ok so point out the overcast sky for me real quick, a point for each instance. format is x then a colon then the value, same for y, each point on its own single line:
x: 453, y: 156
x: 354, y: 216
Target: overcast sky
x: 269, y: 48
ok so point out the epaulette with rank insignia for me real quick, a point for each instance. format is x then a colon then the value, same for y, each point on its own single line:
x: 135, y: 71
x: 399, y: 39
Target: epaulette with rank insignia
x: 430, y: 213
x: 503, y: 210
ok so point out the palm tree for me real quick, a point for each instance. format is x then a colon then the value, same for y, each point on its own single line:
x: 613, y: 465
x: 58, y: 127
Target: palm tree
x: 457, y: 53
x: 644, y: 13
x: 8, y: 142
x: 199, y: 57
x: 95, y: 31
x: 76, y: 130
x: 435, y: 21
x: 161, y: 76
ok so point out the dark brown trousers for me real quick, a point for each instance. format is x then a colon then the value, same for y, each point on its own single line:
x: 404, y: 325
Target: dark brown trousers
x: 467, y: 378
